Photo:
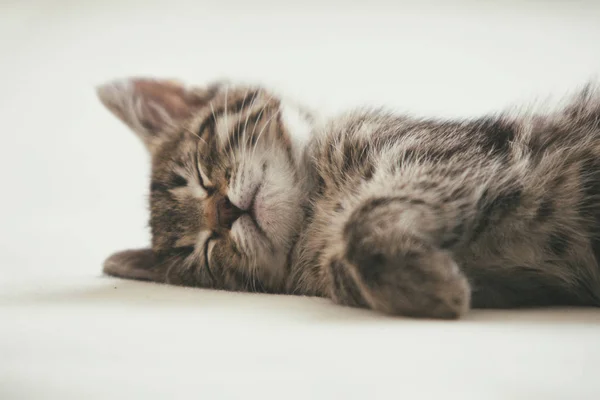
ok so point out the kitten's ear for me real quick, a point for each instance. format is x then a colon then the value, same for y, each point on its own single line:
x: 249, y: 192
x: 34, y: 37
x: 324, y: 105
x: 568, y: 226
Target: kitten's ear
x: 135, y: 264
x: 152, y: 108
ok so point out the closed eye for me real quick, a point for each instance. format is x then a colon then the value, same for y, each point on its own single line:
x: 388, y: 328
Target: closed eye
x: 203, y: 178
x: 208, y: 247
x: 178, y: 181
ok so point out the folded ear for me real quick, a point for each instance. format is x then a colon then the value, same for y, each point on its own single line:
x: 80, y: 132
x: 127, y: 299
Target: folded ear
x: 138, y: 264
x: 152, y: 108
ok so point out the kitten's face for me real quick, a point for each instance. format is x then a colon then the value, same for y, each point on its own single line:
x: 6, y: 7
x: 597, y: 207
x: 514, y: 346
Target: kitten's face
x: 226, y: 192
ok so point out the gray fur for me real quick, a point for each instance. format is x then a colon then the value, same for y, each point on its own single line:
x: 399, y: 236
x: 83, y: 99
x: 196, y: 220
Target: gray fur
x: 408, y: 216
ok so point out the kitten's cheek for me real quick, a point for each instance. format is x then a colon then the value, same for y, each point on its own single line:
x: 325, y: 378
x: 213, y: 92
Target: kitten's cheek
x: 236, y: 232
x: 250, y: 241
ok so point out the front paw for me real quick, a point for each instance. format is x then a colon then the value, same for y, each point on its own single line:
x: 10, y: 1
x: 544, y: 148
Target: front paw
x: 412, y: 280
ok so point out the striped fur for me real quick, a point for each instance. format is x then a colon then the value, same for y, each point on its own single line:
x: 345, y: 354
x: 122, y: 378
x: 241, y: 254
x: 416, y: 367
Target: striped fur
x: 417, y: 217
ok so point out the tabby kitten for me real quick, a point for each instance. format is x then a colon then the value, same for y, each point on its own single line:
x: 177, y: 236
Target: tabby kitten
x: 415, y: 217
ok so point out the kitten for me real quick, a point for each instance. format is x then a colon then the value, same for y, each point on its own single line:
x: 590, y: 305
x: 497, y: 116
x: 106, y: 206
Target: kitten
x: 415, y: 217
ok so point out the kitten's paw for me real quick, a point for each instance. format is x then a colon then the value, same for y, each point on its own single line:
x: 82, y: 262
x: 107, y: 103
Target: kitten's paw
x: 416, y: 281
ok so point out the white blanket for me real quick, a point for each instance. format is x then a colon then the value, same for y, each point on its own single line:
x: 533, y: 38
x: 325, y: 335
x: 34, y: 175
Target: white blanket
x: 102, y: 338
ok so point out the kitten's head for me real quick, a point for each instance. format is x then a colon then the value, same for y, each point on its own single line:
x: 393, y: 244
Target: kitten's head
x: 226, y: 192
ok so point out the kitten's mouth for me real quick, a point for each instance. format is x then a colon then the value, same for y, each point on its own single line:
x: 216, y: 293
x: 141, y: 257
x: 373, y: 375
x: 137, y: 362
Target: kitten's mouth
x: 256, y: 211
x: 252, y: 208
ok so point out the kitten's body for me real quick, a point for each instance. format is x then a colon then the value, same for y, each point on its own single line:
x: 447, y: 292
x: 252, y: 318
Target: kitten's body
x: 406, y: 216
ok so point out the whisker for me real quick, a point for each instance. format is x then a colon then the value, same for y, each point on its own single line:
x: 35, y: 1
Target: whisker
x: 251, y: 278
x: 262, y: 130
x: 244, y: 132
x: 212, y: 110
x: 185, y: 129
x: 225, y: 113
x: 258, y: 118
x: 195, y: 134
x: 170, y: 261
x: 232, y: 153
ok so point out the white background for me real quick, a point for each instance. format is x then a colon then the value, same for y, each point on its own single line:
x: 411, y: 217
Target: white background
x: 74, y: 182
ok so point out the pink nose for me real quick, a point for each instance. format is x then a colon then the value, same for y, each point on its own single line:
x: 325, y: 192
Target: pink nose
x: 226, y: 213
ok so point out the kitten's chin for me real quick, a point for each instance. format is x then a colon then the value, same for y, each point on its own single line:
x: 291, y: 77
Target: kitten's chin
x: 267, y: 232
x: 267, y: 259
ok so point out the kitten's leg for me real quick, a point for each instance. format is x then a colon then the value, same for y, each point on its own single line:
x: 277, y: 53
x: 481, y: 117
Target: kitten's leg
x: 392, y: 262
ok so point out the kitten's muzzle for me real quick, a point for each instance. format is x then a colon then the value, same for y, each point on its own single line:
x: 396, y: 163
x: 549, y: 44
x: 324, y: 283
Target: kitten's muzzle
x: 226, y: 213
x: 220, y: 213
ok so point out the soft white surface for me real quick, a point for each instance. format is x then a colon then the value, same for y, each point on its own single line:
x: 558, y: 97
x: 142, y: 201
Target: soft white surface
x: 74, y: 184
